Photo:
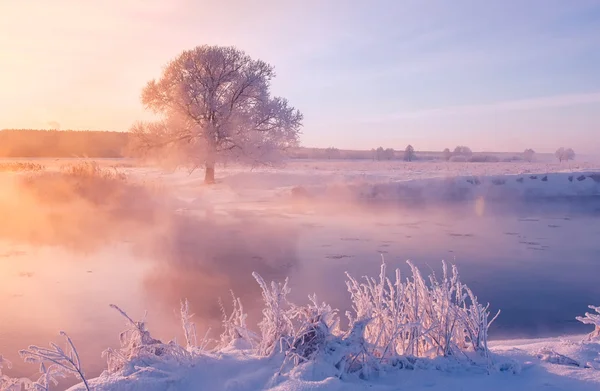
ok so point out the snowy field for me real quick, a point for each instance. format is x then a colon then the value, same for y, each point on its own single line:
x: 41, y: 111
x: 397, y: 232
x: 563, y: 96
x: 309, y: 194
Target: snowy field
x: 523, y: 236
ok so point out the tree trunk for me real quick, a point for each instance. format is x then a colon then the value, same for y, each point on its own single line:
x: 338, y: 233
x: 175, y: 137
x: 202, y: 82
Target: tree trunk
x: 209, y: 173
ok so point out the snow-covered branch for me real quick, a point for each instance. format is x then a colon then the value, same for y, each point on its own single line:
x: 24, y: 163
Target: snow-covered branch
x: 593, y: 319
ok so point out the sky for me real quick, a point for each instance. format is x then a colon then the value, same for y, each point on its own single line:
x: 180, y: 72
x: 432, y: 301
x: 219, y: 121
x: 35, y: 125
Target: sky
x: 493, y: 75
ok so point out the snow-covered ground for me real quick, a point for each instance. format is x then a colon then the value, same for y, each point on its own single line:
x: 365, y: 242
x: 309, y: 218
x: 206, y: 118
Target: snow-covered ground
x: 364, y: 179
x: 560, y: 363
x: 538, y: 365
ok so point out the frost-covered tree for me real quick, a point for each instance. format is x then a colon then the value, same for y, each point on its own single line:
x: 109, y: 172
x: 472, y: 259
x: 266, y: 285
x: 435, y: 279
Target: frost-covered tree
x: 215, y: 105
x: 389, y: 154
x: 446, y: 154
x: 383, y: 154
x: 528, y: 154
x: 409, y: 153
x: 461, y: 150
x: 564, y: 154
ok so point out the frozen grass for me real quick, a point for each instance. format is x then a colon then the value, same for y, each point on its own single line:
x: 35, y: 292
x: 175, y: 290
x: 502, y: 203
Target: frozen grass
x: 593, y: 319
x: 84, y: 180
x: 20, y: 166
x: 91, y: 170
x: 54, y: 363
x: 392, y: 325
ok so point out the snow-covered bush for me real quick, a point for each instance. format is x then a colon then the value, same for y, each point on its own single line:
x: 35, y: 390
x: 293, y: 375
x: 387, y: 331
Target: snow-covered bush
x: 316, y: 324
x: 414, y: 318
x: 276, y: 326
x: 140, y: 349
x: 10, y: 384
x: 91, y: 169
x: 20, y: 166
x: 54, y: 363
x: 235, y: 332
x: 393, y: 324
x: 593, y: 319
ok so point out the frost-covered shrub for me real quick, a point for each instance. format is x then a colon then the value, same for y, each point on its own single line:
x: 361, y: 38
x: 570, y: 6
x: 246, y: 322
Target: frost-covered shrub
x: 316, y: 325
x: 321, y: 347
x: 393, y: 324
x: 54, y: 363
x: 85, y: 180
x: 235, y: 331
x: 91, y: 169
x: 593, y: 319
x: 414, y: 318
x: 189, y: 328
x: 276, y: 326
x: 8, y: 383
x: 140, y: 349
x: 20, y: 166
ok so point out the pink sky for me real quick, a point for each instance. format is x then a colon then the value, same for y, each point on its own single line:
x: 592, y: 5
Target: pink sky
x: 364, y: 75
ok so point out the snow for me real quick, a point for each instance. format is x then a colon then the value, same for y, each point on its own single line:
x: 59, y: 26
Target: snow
x: 236, y: 370
x: 350, y: 180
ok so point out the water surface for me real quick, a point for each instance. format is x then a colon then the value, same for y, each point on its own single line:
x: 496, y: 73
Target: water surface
x: 539, y: 263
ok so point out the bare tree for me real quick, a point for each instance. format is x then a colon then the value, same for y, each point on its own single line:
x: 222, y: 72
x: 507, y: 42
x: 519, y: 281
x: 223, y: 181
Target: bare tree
x: 409, y: 153
x: 529, y: 154
x: 216, y: 105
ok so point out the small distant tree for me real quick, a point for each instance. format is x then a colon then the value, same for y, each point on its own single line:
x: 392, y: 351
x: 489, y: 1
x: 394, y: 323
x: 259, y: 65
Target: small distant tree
x: 409, y: 153
x: 569, y: 154
x: 528, y: 154
x: 446, y: 154
x: 461, y: 150
x: 216, y: 105
x: 563, y: 154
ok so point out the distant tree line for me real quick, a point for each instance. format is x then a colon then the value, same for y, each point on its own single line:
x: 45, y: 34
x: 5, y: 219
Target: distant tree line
x: 63, y: 143
x: 383, y: 154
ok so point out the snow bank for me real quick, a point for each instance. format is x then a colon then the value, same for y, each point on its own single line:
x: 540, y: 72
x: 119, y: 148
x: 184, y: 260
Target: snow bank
x: 237, y: 371
x: 391, y: 181
x: 461, y: 188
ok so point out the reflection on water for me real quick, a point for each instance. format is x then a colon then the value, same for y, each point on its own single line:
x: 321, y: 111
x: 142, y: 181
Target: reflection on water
x: 538, y: 263
x: 46, y: 290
